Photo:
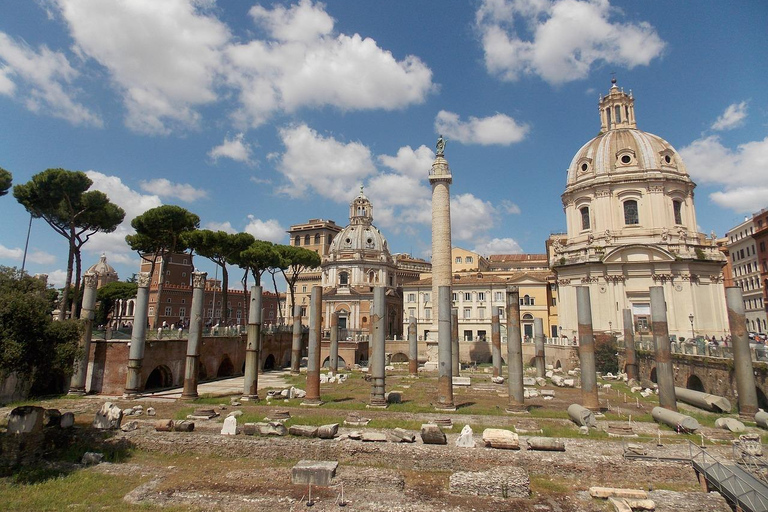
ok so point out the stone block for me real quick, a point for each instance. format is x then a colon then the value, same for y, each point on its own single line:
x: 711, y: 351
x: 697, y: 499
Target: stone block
x: 614, y: 492
x: 184, y: 426
x: 130, y: 426
x: 236, y: 414
x: 303, y: 431
x: 90, y: 458
x: 108, y: 417
x: 151, y: 411
x: 529, y: 381
x: 230, y: 426
x: 497, y: 380
x: 399, y: 435
x: 430, y: 366
x: 67, y: 420
x: 431, y: 434
x: 328, y: 431
x: 26, y: 420
x: 501, y: 482
x: 374, y: 437
x: 314, y: 472
x: 546, y: 444
x: 164, y: 425
x: 461, y: 381
x: 731, y: 424
x: 500, y: 438
x: 466, y: 438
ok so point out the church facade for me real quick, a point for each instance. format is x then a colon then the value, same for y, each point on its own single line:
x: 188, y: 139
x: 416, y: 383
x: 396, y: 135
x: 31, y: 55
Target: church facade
x: 631, y: 224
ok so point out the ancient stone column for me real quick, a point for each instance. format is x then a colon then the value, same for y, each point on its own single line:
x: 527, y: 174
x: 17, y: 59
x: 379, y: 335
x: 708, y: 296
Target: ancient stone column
x: 313, y: 357
x: 496, y: 345
x: 538, y: 338
x: 296, y: 344
x: 378, y: 356
x: 440, y: 179
x: 665, y: 374
x: 455, y: 365
x: 77, y: 383
x: 333, y: 357
x: 138, y: 336
x: 630, y: 354
x: 444, y: 359
x: 413, y: 348
x: 742, y: 358
x: 589, y: 396
x: 192, y: 366
x: 514, y: 352
x: 253, y: 346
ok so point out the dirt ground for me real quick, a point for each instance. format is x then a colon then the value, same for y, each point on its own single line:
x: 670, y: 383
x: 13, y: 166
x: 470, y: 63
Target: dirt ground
x: 204, y: 470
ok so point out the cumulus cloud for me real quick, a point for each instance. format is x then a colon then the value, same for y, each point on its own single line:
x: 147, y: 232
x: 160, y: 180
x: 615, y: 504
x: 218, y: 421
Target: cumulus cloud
x: 471, y: 217
x: 181, y: 191
x: 164, y: 57
x: 220, y: 226
x: 560, y: 41
x: 43, y: 80
x: 57, y: 278
x: 235, y: 149
x: 510, y: 207
x: 497, y: 129
x: 498, y: 246
x: 733, y: 117
x: 415, y: 163
x: 744, y: 189
x: 269, y: 230
x: 35, y: 256
x: 329, y: 167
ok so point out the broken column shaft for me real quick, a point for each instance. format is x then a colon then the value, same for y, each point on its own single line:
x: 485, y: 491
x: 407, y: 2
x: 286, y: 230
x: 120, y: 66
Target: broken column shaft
x: 496, y: 345
x: 589, y: 396
x: 665, y: 375
x: 253, y: 344
x: 138, y: 336
x: 455, y: 365
x: 192, y: 364
x: 77, y: 383
x: 378, y: 359
x: 413, y: 348
x: 514, y: 352
x: 444, y: 359
x: 296, y: 341
x: 333, y: 357
x: 538, y: 337
x: 313, y: 357
x: 742, y: 359
x: 630, y: 354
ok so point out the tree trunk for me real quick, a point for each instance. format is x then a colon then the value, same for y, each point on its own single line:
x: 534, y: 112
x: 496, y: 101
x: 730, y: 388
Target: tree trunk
x: 244, y: 280
x: 75, y: 313
x: 65, y: 295
x: 225, y: 293
x: 277, y: 297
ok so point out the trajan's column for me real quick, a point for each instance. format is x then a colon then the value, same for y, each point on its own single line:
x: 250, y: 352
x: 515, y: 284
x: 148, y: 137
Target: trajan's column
x: 440, y: 178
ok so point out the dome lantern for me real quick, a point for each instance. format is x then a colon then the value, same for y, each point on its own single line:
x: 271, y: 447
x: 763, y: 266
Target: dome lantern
x: 617, y: 109
x: 361, y: 210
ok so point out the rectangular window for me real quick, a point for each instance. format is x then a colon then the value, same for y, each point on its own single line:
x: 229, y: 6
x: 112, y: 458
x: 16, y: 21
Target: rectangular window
x: 303, y: 310
x: 500, y: 311
x: 182, y: 312
x: 481, y: 335
x: 458, y: 259
x: 481, y: 313
x: 411, y: 297
x: 151, y: 310
x: 426, y: 297
x: 498, y: 296
x: 427, y: 314
x: 455, y: 296
x: 168, y: 311
x: 304, y: 289
x: 481, y: 296
x: 469, y: 259
x: 468, y: 335
x: 411, y: 312
x: 554, y: 301
x: 467, y: 313
x: 467, y: 297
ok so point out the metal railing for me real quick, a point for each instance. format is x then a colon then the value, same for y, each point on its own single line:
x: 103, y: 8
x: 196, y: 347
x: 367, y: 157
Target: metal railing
x: 735, y: 484
x: 701, y: 348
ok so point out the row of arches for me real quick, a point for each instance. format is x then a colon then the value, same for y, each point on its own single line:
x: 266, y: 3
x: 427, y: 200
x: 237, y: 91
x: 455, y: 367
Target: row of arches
x: 162, y: 376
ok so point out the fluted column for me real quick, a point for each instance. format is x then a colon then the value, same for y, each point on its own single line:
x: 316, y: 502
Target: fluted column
x: 192, y: 366
x: 138, y: 336
x: 77, y: 383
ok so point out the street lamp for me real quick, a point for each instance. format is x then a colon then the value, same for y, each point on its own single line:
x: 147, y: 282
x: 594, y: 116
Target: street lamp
x: 693, y: 335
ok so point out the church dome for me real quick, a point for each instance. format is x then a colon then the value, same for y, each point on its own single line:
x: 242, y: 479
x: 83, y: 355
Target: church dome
x: 360, y: 235
x: 105, y: 272
x: 621, y: 151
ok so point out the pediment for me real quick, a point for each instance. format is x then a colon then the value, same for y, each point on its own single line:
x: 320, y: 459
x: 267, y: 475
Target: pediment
x: 637, y: 253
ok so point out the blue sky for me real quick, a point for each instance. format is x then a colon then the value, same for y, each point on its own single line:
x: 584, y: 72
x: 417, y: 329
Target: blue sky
x: 258, y: 115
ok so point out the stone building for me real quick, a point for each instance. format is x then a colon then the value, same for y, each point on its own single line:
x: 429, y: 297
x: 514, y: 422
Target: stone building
x: 104, y: 271
x: 748, y: 267
x: 631, y: 224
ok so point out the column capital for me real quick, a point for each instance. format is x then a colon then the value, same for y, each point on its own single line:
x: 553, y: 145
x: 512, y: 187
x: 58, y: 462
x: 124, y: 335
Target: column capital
x: 142, y: 279
x: 90, y: 279
x: 198, y: 279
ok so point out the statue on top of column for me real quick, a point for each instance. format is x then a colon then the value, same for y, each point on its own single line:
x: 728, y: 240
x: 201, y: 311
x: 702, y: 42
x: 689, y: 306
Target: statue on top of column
x: 440, y: 146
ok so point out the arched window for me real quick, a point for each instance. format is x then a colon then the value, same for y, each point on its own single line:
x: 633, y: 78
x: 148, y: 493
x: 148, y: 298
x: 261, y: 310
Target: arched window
x: 297, y: 241
x: 306, y: 239
x: 584, y: 217
x: 317, y: 238
x: 343, y: 278
x: 677, y: 207
x: 630, y: 212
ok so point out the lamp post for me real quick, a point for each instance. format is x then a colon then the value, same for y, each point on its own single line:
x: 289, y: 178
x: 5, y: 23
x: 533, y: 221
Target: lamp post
x: 693, y: 335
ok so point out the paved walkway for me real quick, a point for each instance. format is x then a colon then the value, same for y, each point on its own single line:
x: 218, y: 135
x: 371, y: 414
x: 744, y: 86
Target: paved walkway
x: 224, y: 387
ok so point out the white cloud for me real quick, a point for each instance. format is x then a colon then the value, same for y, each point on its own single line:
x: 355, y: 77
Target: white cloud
x: 57, y: 278
x: 497, y: 129
x: 47, y: 78
x: 235, y: 148
x: 510, y: 207
x: 34, y: 256
x: 471, y: 217
x: 164, y: 57
x: 737, y: 170
x: 733, y: 117
x: 562, y: 40
x: 269, y: 230
x: 415, y: 163
x: 331, y: 168
x: 181, y: 191
x: 220, y: 226
x: 498, y: 246
x: 303, y: 22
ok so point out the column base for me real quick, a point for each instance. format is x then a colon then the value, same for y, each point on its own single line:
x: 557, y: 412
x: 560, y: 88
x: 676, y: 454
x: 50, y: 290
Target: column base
x: 130, y: 394
x: 249, y: 398
x: 377, y: 403
x: 516, y: 409
x: 445, y: 407
x: 313, y: 402
x: 189, y: 397
x: 81, y: 392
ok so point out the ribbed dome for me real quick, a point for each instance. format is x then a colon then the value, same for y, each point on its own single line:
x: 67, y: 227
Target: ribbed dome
x: 360, y: 234
x: 621, y: 152
x: 102, y: 268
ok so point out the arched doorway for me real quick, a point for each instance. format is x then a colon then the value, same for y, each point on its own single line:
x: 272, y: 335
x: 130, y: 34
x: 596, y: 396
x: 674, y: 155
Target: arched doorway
x: 399, y: 358
x: 528, y: 325
x: 558, y: 365
x: 269, y: 362
x: 226, y: 368
x: 653, y: 375
x: 160, y: 377
x: 694, y: 383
